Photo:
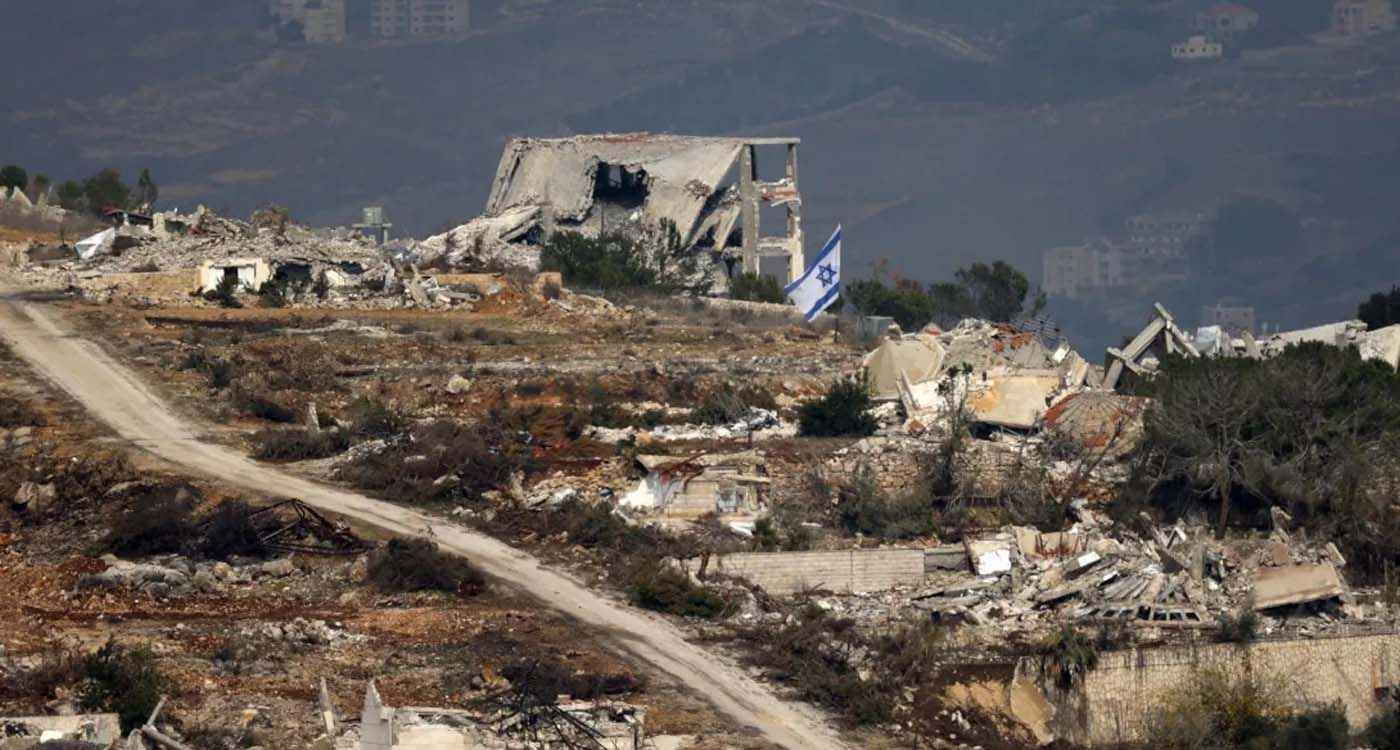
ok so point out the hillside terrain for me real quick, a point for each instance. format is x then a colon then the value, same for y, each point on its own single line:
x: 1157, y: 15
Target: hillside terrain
x: 936, y: 136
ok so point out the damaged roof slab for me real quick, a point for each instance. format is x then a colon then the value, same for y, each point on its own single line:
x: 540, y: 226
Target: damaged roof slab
x: 684, y: 178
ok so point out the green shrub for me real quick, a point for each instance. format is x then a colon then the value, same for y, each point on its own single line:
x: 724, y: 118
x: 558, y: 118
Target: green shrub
x: 786, y: 535
x: 756, y: 287
x: 1068, y: 655
x: 261, y: 407
x: 226, y: 293
x: 124, y: 681
x: 1217, y: 709
x: 230, y: 531
x: 1319, y: 729
x: 156, y: 522
x: 667, y: 590
x: 298, y: 444
x: 1241, y: 628
x: 418, y: 565
x: 1383, y: 733
x: 844, y: 410
x: 660, y: 261
x: 371, y: 418
x: 274, y: 294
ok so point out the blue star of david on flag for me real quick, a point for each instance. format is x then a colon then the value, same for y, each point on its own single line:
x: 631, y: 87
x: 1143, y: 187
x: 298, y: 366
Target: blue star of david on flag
x: 819, y: 285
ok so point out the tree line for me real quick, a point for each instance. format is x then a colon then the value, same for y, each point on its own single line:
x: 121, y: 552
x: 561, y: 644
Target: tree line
x: 997, y: 292
x: 103, y: 191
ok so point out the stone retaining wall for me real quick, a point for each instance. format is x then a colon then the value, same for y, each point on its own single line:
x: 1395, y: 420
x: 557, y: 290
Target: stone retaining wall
x: 1119, y: 699
x: 846, y: 571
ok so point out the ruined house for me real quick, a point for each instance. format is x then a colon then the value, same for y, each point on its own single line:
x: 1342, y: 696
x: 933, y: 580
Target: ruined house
x: 711, y: 189
x: 726, y: 484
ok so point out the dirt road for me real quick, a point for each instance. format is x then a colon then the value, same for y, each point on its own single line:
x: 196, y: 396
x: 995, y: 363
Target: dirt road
x: 117, y: 397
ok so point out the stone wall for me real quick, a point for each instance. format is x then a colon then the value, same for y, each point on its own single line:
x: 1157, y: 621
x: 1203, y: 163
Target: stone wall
x: 898, y: 465
x: 1117, y: 700
x: 846, y: 571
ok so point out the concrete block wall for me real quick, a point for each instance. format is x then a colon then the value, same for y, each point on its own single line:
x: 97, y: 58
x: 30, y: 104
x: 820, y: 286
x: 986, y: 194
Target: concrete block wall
x: 1118, y: 700
x: 847, y: 571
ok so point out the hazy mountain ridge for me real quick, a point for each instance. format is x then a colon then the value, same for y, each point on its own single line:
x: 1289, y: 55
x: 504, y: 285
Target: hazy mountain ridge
x: 931, y: 159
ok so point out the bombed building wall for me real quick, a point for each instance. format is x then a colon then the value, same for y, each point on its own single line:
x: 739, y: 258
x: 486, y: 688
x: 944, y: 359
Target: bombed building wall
x: 709, y: 189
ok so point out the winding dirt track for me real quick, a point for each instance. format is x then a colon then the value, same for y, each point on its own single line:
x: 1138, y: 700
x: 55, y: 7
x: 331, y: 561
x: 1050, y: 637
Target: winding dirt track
x: 114, y: 394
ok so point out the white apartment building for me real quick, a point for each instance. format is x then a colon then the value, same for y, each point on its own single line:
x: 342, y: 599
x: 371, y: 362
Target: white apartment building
x: 1197, y: 48
x: 394, y: 19
x: 322, y: 21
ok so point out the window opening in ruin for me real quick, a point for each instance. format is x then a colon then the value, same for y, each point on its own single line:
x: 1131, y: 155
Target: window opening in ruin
x: 620, y: 186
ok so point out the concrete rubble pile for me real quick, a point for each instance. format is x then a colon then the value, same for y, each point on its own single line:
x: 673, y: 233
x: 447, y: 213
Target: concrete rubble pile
x: 1180, y: 578
x: 1161, y: 336
x: 178, y: 241
x: 1001, y: 376
x: 566, y: 724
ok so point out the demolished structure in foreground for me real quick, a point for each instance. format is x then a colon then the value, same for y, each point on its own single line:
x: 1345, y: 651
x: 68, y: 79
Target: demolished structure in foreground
x: 633, y: 183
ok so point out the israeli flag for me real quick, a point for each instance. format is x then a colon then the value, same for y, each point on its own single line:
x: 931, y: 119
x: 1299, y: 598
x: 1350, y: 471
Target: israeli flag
x: 818, y: 287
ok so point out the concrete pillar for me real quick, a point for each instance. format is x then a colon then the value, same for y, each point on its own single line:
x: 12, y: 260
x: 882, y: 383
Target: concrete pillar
x: 748, y: 203
x: 797, y: 262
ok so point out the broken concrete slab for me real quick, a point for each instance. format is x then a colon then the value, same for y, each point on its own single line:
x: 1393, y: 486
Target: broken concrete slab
x: 95, y: 729
x: 917, y: 358
x: 946, y: 557
x: 1296, y: 584
x: 1017, y: 400
x: 989, y: 557
x: 1039, y: 545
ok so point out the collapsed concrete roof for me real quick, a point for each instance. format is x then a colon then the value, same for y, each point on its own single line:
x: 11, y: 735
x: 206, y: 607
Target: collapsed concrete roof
x: 634, y: 182
x: 681, y: 172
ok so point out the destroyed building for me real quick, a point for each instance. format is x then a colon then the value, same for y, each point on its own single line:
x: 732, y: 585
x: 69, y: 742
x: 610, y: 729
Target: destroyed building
x: 691, y: 487
x: 600, y: 725
x: 710, y: 189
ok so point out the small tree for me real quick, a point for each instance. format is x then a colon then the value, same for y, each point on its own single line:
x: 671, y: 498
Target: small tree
x: 999, y: 292
x: 1380, y: 309
x: 71, y: 196
x: 1068, y: 655
x: 418, y: 565
x: 756, y: 287
x: 39, y: 185
x: 125, y: 681
x: 146, y: 190
x: 106, y: 190
x: 1199, y: 428
x: 13, y: 177
x: 844, y: 410
x: 226, y: 293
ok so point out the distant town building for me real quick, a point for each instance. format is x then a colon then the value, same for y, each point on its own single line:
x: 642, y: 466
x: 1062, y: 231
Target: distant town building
x: 1234, y: 320
x: 1153, y: 253
x: 1173, y: 230
x: 1225, y: 20
x: 1197, y: 48
x: 1362, y: 17
x: 395, y: 19
x: 1074, y: 270
x: 321, y: 21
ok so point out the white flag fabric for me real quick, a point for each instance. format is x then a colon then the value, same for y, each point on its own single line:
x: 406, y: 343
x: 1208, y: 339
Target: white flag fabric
x: 819, y: 285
